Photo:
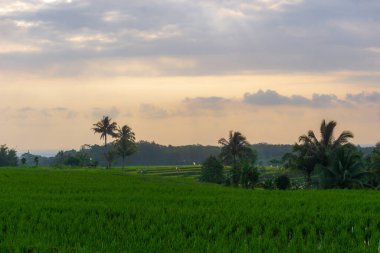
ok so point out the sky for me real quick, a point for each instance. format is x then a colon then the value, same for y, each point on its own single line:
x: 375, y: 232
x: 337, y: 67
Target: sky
x: 187, y: 71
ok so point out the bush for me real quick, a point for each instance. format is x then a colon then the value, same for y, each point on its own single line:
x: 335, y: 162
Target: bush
x: 282, y: 182
x: 72, y: 161
x: 250, y: 176
x: 268, y: 184
x: 8, y: 157
x: 212, y: 171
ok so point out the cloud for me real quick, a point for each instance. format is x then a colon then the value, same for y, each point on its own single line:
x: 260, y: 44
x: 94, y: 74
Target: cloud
x: 206, y: 103
x: 204, y: 106
x: 272, y: 98
x: 153, y: 112
x: 364, y: 97
x: 35, y: 113
x: 220, y: 106
x: 219, y: 37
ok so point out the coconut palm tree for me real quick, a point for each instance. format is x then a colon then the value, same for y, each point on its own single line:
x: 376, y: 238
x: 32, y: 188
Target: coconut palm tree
x: 321, y: 148
x: 125, y: 143
x: 105, y: 127
x: 345, y: 169
x: 301, y: 159
x: 312, y: 152
x: 236, y: 149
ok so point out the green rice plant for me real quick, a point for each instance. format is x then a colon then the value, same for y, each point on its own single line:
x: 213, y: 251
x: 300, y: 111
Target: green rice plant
x: 97, y: 210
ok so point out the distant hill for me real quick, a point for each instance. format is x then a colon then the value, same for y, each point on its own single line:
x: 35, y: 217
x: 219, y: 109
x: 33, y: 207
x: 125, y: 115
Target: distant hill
x: 151, y: 153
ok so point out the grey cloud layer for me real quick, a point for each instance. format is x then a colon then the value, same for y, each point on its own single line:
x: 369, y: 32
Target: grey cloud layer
x: 217, y: 106
x: 218, y: 36
x: 272, y: 98
x: 364, y: 97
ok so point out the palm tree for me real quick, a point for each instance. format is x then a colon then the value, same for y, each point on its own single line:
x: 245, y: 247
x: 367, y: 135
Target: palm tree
x: 301, y: 159
x: 125, y: 144
x: 312, y: 152
x: 345, y: 169
x: 105, y: 127
x: 234, y: 149
x: 320, y: 149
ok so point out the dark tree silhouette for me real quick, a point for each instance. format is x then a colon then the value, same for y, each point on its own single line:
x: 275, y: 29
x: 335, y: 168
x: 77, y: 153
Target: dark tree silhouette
x: 126, y: 142
x: 327, y: 143
x: 105, y: 127
x: 345, y: 169
x: 212, y: 171
x: 36, y: 160
x: 8, y: 157
x: 236, y: 149
x: 312, y: 152
x: 374, y: 165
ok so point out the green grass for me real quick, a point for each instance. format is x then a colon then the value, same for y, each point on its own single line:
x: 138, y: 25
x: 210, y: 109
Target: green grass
x: 97, y: 210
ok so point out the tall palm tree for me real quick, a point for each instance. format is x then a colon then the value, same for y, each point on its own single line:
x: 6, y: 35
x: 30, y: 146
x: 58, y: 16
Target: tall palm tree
x: 327, y: 143
x: 234, y: 149
x: 105, y: 127
x: 125, y: 143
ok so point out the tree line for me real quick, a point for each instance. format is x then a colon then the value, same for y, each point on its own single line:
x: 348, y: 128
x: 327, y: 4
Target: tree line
x: 325, y: 162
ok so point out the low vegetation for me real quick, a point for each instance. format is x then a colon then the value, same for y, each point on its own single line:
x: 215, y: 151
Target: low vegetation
x: 95, y: 210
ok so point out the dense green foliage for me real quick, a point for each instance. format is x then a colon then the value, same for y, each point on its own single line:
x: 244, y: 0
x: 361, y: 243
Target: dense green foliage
x: 46, y: 210
x: 150, y: 153
x: 8, y: 157
x: 212, y: 171
x: 282, y: 182
x: 374, y: 165
x: 250, y: 176
x: 236, y: 151
x: 337, y: 162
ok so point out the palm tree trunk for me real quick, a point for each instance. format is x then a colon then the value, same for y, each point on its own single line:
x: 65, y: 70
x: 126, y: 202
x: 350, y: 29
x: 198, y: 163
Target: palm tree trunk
x: 105, y: 140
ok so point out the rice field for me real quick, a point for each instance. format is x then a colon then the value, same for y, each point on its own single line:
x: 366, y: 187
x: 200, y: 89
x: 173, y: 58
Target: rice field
x: 122, y: 210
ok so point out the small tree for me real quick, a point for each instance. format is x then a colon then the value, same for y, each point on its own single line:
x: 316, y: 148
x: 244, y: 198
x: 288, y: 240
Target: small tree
x: 282, y: 182
x: 110, y: 157
x: 73, y: 161
x: 8, y: 157
x: 235, y: 150
x: 60, y: 158
x: 125, y: 144
x: 212, y: 171
x: 250, y: 176
x: 23, y: 161
x: 36, y: 160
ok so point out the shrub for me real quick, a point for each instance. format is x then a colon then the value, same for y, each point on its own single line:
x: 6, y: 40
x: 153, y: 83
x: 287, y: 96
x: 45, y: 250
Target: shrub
x: 268, y: 184
x: 250, y: 176
x: 8, y: 157
x: 212, y: 171
x: 282, y: 182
